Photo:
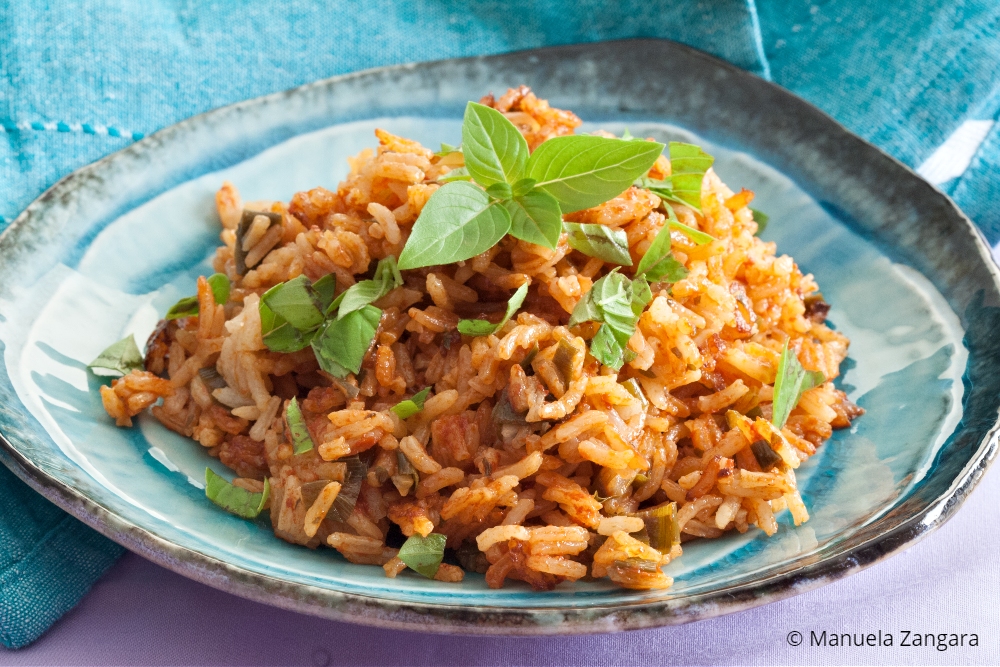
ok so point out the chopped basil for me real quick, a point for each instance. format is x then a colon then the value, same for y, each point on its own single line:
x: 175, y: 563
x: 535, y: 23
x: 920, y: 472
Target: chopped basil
x: 301, y: 439
x: 279, y: 335
x: 495, y: 150
x: 350, y: 489
x: 294, y: 302
x: 448, y: 149
x: 291, y: 312
x: 323, y: 290
x: 791, y: 382
x: 423, y: 554
x: 458, y: 222
x: 239, y: 254
x: 411, y: 406
x: 688, y: 164
x: 582, y: 171
x: 600, y: 241
x: 659, y: 263
x: 484, y: 328
x: 188, y: 306
x: 456, y: 174
x: 362, y: 293
x: 616, y: 302
x: 696, y: 235
x: 341, y: 344
x: 234, y: 499
x: 761, y: 219
x: 121, y: 358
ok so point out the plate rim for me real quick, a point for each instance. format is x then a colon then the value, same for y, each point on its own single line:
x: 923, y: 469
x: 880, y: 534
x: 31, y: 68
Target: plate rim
x: 482, y: 619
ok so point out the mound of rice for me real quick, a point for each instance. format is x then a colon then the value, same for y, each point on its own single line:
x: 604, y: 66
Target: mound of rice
x: 538, y: 463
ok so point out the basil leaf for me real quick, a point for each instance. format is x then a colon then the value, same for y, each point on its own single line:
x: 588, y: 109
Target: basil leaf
x: 791, y: 382
x: 423, y: 554
x: 658, y: 263
x: 279, y: 335
x: 219, y: 282
x: 662, y: 190
x: 458, y: 222
x: 495, y: 150
x: 411, y: 406
x: 341, y: 344
x: 617, y: 303
x: 484, y: 328
x: 582, y: 171
x: 688, y: 164
x: 362, y: 293
x: 323, y: 291
x: 188, y: 306
x: 456, y: 174
x: 535, y: 217
x: 500, y: 191
x: 627, y: 136
x: 122, y: 357
x: 293, y: 301
x: 761, y: 219
x: 599, y: 241
x: 233, y: 499
x: 523, y: 187
x: 448, y: 149
x: 607, y: 349
x: 301, y: 439
x: 696, y: 235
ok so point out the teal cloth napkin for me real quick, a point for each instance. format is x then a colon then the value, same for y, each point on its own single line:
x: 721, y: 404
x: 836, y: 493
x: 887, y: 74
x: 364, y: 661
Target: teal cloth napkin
x: 81, y: 80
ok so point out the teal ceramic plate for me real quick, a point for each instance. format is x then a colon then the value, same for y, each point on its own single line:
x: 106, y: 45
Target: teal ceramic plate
x: 109, y: 248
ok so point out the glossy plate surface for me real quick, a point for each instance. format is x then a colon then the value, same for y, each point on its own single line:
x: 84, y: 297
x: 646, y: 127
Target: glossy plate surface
x: 111, y: 247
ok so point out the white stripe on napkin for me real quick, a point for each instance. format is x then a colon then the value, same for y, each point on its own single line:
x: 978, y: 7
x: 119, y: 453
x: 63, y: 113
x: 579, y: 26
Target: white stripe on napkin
x: 953, y: 157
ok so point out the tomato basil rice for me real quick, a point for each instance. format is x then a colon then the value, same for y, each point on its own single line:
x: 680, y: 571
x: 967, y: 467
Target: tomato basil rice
x: 539, y: 355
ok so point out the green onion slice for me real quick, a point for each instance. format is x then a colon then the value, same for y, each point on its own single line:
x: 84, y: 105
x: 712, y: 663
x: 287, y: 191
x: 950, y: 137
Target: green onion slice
x: 233, y: 499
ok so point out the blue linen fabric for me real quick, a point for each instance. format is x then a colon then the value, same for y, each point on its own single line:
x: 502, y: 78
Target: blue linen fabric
x: 81, y: 80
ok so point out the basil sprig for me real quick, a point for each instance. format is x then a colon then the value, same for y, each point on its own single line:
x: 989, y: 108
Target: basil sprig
x: 423, y: 554
x: 234, y: 499
x: 411, y: 406
x: 791, y: 382
x: 120, y: 358
x: 484, y: 328
x: 617, y: 303
x: 188, y: 306
x: 517, y: 193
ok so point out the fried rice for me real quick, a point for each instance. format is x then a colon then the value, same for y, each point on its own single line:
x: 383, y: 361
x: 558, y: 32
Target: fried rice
x: 535, y: 461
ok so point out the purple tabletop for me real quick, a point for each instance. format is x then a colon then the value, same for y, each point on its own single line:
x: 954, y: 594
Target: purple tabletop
x: 947, y: 584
